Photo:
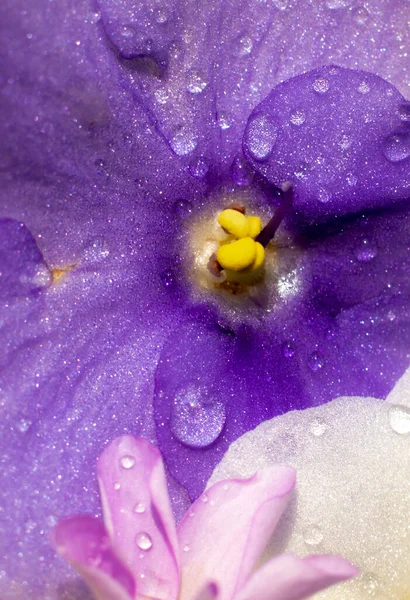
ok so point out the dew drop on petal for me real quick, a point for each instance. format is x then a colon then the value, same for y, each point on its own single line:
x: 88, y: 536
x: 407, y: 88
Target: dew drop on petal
x: 242, y: 174
x: 196, y: 82
x: 404, y: 111
x: 288, y: 350
x: 245, y: 45
x: 365, y: 252
x: 139, y: 508
x: 161, y: 96
x: 186, y: 548
x: 198, y: 168
x: 143, y: 541
x: 318, y: 427
x: 364, y: 88
x: 261, y: 136
x: 399, y: 417
x: 224, y: 121
x: 184, y: 142
x: 23, y: 425
x: 321, y: 85
x: 204, y: 498
x: 197, y: 419
x: 161, y: 16
x: 396, y: 147
x: 360, y: 15
x: 298, y: 117
x: 117, y: 486
x: 313, y: 535
x: 315, y: 361
x: 127, y: 462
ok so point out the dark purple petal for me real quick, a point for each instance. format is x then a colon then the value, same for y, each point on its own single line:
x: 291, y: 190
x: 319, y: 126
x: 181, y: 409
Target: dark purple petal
x: 341, y: 137
x: 83, y: 541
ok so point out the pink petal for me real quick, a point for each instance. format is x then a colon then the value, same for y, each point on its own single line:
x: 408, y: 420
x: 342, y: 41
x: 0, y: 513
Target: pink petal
x: 83, y: 542
x: 288, y: 577
x: 228, y: 527
x: 138, y: 515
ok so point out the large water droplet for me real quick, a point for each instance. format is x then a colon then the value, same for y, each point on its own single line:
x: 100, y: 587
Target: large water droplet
x: 143, y: 541
x: 396, y: 147
x: 298, y: 116
x: 261, y: 136
x: 321, y: 85
x: 196, y: 82
x: 316, y: 362
x: 313, y: 535
x: 197, y: 419
x: 184, y: 142
x: 399, y: 417
x: 127, y: 462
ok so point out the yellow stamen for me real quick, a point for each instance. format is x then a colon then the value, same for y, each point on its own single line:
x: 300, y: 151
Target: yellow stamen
x: 234, y: 222
x: 238, y: 255
x: 254, y: 226
x: 251, y: 274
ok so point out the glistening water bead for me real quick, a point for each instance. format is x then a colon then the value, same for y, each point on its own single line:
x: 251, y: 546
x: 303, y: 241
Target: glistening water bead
x: 197, y: 419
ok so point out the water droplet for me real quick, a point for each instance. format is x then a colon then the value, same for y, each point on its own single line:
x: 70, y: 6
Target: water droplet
x: 281, y: 4
x: 139, y: 508
x: 184, y: 142
x: 224, y: 121
x: 143, y: 541
x: 186, y: 548
x: 318, y: 427
x: 127, y: 31
x: 161, y: 95
x: 399, y: 417
x: 225, y: 487
x: 396, y: 147
x: 117, y: 486
x: 298, y: 116
x: 161, y: 16
x: 23, y: 425
x: 242, y: 173
x: 323, y: 196
x: 197, y: 419
x: 321, y: 85
x: 345, y: 141
x: 204, y: 498
x: 96, y: 251
x: 315, y: 361
x: 334, y: 4
x: 245, y: 45
x: 261, y: 136
x: 360, y: 15
x: 167, y: 278
x: 351, y: 179
x: 288, y: 350
x: 404, y: 111
x: 191, y: 514
x: 366, y: 253
x: 127, y: 462
x: 196, y: 82
x: 313, y: 535
x: 364, y: 88
x: 198, y: 168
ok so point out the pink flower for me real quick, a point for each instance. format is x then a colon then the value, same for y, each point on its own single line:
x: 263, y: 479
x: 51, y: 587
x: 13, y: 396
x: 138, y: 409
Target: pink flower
x: 140, y: 554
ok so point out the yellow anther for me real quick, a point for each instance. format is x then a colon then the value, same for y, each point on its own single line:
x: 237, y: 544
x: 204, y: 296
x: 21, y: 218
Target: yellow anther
x: 259, y: 258
x: 251, y: 274
x: 234, y: 222
x: 254, y: 226
x: 238, y: 255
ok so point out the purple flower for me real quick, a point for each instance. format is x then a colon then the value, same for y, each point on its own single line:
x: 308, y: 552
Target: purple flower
x: 124, y: 127
x: 140, y: 553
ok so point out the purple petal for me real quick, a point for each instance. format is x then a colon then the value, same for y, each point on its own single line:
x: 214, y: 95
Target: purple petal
x: 288, y: 577
x: 227, y: 528
x: 138, y: 516
x: 83, y: 542
x: 331, y: 132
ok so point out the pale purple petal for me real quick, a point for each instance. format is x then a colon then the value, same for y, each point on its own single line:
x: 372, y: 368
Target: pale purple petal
x: 227, y: 528
x: 83, y: 541
x: 138, y: 515
x: 288, y: 577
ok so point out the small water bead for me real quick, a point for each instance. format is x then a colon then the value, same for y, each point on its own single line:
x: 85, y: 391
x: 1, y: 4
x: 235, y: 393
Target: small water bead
x: 197, y: 419
x: 321, y: 85
x: 139, y: 508
x: 298, y: 117
x: 366, y: 253
x: 351, y: 179
x: 261, y: 136
x: 23, y: 425
x: 360, y: 15
x: 335, y: 4
x: 97, y: 250
x: 143, y: 541
x: 204, y: 498
x: 345, y: 141
x: 199, y: 168
x: 161, y: 95
x: 184, y: 142
x: 316, y: 362
x: 404, y: 111
x: 117, y: 486
x: 183, y: 207
x: 313, y: 535
x: 399, y: 418
x: 323, y: 196
x: 127, y: 462
x: 196, y: 82
x: 288, y: 350
x: 281, y: 4
x: 242, y: 174
x: 245, y: 46
x: 186, y: 548
x: 224, y: 121
x: 318, y: 427
x: 161, y: 16
x: 364, y: 88
x: 167, y: 278
x: 396, y: 147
